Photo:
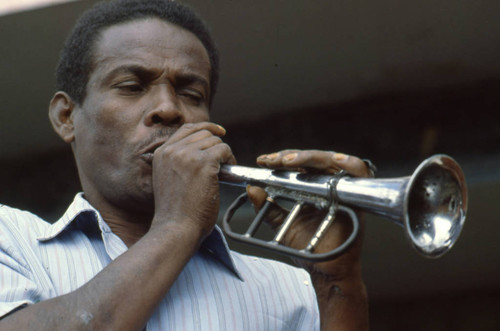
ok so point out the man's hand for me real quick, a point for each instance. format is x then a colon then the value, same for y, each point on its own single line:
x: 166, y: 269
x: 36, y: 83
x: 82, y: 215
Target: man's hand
x: 338, y: 283
x: 185, y: 176
x: 186, y: 193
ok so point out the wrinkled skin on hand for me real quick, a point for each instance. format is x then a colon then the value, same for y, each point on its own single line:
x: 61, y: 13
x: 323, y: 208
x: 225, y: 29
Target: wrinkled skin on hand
x: 349, y: 264
x: 185, y: 175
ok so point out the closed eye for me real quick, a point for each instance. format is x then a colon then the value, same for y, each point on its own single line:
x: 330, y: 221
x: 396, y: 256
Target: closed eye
x: 193, y: 87
x: 130, y: 87
x: 194, y: 96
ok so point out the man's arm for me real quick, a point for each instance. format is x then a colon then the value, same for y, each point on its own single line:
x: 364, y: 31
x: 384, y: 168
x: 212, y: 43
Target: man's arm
x: 343, y: 305
x: 125, y: 294
x: 339, y: 285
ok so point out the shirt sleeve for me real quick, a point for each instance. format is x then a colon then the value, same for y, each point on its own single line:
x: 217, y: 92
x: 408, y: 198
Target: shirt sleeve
x: 18, y: 287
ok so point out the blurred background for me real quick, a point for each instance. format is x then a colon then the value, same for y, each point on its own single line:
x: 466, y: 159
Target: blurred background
x: 392, y: 81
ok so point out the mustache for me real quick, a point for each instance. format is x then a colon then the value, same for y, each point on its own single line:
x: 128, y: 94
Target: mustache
x: 162, y: 134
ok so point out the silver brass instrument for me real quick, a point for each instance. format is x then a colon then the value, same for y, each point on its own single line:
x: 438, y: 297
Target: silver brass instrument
x: 430, y: 205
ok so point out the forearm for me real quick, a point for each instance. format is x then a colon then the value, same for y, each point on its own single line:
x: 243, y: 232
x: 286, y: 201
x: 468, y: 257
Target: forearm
x: 123, y: 295
x: 343, y: 305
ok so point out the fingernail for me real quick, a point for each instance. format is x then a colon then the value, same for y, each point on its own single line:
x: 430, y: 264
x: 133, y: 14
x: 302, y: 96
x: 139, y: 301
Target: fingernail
x: 290, y: 157
x: 340, y: 156
x: 272, y: 156
x: 223, y: 130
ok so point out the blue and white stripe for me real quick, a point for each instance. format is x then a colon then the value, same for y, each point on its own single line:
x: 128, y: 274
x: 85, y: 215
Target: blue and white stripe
x: 218, y: 289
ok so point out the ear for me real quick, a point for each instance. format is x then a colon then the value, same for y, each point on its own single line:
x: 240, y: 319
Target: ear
x: 61, y: 115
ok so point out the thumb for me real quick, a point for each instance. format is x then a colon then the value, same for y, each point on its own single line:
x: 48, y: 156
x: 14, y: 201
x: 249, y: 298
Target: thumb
x: 257, y: 196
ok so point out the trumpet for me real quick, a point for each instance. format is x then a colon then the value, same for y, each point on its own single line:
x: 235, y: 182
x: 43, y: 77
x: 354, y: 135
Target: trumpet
x: 430, y: 205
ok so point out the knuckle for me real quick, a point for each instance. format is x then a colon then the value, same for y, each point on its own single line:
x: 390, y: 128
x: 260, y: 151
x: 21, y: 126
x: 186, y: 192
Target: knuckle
x: 205, y: 132
x: 201, y: 134
x: 177, y: 154
x: 226, y: 149
x: 216, y: 140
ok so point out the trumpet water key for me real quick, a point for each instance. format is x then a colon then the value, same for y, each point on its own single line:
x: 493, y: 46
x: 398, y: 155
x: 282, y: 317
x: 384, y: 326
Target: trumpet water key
x: 430, y: 205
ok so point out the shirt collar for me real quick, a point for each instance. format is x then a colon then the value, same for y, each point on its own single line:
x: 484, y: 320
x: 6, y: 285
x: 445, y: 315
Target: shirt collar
x: 78, y: 207
x: 215, y: 244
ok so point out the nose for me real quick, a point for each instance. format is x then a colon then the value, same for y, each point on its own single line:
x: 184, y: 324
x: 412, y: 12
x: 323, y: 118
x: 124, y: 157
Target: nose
x: 164, y: 108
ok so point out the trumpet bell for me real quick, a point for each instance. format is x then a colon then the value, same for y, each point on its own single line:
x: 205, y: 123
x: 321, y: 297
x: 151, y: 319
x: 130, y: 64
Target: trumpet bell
x: 430, y: 205
x: 435, y: 206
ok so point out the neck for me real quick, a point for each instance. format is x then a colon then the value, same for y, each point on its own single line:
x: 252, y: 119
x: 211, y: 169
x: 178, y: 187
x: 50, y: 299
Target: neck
x: 129, y: 232
x: 130, y: 226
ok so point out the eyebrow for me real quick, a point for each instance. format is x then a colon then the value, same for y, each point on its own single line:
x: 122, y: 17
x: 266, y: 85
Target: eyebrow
x: 137, y: 70
x: 183, y: 79
x: 192, y: 79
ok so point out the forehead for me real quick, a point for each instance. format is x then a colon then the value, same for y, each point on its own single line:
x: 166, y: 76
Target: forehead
x: 150, y: 42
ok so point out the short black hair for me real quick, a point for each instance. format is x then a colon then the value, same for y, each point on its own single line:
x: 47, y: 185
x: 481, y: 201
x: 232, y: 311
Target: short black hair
x: 76, y: 58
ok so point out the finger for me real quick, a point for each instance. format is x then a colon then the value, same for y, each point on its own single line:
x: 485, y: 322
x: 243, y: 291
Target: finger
x: 221, y: 152
x: 194, y: 150
x: 191, y: 128
x: 352, y: 165
x: 201, y: 137
x: 193, y: 138
x: 274, y: 160
x: 297, y: 159
x: 202, y: 140
x: 312, y: 159
x: 214, y: 148
x: 257, y: 196
x: 198, y: 141
x: 324, y: 161
x: 275, y: 215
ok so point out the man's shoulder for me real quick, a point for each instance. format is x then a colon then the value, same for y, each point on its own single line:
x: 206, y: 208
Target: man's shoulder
x: 20, y: 221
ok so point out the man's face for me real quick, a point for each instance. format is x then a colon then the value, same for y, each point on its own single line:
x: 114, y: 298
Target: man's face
x: 148, y: 78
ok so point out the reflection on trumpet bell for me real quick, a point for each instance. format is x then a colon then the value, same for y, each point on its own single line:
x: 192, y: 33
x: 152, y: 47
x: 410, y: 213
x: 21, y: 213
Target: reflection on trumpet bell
x: 430, y: 204
x: 436, y: 206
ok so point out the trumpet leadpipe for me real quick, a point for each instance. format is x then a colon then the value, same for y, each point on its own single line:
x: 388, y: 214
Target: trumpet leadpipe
x: 311, y: 188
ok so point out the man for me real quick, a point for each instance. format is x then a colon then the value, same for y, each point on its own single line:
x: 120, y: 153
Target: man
x: 138, y: 248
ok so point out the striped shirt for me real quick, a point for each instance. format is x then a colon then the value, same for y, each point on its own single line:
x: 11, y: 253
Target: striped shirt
x: 218, y: 289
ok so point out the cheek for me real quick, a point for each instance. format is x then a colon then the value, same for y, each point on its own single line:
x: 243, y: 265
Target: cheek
x: 197, y: 116
x: 111, y: 115
x: 102, y: 125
